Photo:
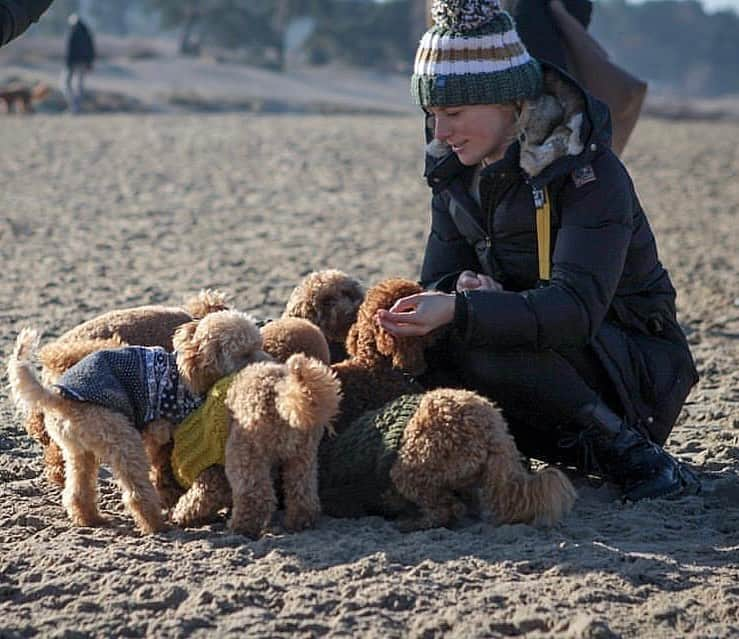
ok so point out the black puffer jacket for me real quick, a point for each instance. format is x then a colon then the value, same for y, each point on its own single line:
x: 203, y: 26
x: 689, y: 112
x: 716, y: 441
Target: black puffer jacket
x: 607, y: 290
x: 17, y: 15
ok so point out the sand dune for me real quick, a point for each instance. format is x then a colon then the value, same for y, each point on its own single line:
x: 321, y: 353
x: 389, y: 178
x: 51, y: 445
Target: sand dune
x: 110, y: 211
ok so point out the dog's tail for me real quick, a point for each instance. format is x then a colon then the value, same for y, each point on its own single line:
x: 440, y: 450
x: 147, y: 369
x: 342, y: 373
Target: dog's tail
x: 208, y: 300
x: 308, y: 396
x: 515, y: 494
x: 26, y: 390
x: 57, y: 357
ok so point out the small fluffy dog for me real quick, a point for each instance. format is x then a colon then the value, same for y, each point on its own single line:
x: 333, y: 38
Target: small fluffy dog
x: 379, y: 366
x: 427, y: 451
x: 279, y: 414
x: 209, y: 490
x: 398, y: 445
x: 99, y: 406
x: 329, y: 299
x: 151, y: 325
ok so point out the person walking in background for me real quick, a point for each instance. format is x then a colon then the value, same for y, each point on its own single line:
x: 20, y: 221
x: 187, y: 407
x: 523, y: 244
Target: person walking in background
x: 542, y: 279
x: 80, y: 58
x: 556, y: 32
x: 17, y: 15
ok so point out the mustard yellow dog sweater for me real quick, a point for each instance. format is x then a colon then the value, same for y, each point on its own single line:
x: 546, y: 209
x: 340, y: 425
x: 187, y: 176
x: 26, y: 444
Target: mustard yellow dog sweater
x: 200, y: 439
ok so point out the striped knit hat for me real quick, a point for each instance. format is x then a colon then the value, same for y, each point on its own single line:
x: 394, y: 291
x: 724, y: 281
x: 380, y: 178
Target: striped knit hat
x: 472, y: 55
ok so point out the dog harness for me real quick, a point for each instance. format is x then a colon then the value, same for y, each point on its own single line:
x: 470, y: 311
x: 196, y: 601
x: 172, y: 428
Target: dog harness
x: 354, y: 466
x: 141, y: 382
x: 200, y: 440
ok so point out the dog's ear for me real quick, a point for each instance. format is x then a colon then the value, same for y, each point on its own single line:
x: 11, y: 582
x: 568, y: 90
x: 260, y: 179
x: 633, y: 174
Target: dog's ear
x: 192, y: 358
x: 352, y: 339
x: 386, y: 343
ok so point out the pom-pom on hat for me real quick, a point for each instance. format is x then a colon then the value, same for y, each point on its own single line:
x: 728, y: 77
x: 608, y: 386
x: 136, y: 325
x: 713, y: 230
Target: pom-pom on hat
x: 472, y: 55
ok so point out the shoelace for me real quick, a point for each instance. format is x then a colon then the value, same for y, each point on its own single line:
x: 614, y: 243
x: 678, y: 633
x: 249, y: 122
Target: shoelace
x: 587, y: 461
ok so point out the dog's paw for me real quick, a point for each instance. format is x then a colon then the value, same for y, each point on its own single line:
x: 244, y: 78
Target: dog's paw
x: 90, y: 520
x: 301, y: 519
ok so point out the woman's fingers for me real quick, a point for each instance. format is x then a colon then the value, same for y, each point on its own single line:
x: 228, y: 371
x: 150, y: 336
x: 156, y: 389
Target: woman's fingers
x: 489, y: 284
x: 467, y: 280
x: 401, y: 329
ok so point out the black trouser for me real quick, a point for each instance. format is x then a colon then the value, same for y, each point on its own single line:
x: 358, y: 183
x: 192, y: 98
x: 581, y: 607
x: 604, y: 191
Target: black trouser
x: 538, y: 392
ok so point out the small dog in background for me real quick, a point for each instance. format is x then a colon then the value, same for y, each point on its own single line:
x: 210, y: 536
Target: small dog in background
x: 100, y: 405
x: 19, y: 98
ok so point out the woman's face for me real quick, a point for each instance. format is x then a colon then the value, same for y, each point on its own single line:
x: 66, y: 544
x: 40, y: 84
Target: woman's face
x: 476, y: 132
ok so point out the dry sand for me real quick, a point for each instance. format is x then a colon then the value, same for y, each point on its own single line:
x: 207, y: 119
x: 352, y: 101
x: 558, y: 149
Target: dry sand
x: 110, y: 211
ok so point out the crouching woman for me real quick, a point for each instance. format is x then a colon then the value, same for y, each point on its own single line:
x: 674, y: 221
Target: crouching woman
x: 541, y: 261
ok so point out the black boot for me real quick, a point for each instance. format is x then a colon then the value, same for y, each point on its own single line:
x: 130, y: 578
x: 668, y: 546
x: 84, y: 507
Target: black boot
x: 626, y: 457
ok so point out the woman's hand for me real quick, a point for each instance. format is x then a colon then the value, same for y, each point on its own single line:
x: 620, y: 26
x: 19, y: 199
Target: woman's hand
x: 468, y: 280
x: 417, y: 315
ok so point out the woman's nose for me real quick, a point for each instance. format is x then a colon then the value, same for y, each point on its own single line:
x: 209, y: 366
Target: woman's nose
x: 441, y: 129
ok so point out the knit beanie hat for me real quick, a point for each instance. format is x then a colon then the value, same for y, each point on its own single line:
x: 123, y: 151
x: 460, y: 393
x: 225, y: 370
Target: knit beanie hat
x: 472, y: 55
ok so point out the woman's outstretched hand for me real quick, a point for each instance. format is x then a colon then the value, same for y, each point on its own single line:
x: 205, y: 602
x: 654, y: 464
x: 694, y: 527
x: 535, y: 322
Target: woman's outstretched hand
x: 417, y: 315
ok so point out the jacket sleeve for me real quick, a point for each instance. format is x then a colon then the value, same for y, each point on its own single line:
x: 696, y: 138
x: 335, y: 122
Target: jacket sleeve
x: 17, y: 15
x: 587, y: 264
x: 447, y: 252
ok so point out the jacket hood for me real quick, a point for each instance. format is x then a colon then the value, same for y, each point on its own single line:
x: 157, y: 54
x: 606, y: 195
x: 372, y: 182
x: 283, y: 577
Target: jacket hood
x: 560, y: 130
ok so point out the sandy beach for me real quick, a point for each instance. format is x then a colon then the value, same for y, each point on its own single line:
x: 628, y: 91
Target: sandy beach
x: 103, y: 212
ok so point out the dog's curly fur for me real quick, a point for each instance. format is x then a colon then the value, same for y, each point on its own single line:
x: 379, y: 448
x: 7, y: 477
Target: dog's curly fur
x: 278, y: 416
x: 211, y: 491
x: 87, y: 433
x: 139, y: 326
x: 455, y: 440
x: 455, y: 443
x: 330, y: 300
x: 378, y: 366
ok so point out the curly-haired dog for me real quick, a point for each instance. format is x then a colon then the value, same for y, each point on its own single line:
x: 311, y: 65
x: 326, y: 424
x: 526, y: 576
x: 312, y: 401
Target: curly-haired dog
x: 379, y: 365
x: 425, y: 451
x: 151, y: 325
x: 99, y: 406
x: 330, y: 299
x: 279, y: 414
x: 201, y: 470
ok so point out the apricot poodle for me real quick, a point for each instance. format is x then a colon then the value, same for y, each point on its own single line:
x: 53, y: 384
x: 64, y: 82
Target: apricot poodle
x: 425, y: 452
x: 97, y: 409
x: 204, y: 478
x: 151, y: 325
x: 329, y: 299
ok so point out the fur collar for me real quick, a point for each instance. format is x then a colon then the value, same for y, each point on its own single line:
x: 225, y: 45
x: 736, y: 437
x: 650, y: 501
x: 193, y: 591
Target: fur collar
x: 551, y: 126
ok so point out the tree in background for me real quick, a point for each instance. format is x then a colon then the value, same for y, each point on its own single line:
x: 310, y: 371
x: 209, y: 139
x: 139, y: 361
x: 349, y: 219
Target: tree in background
x: 672, y: 43
x: 234, y: 23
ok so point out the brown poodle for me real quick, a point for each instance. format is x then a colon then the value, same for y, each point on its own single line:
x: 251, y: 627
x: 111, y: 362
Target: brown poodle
x: 379, y: 366
x: 139, y: 326
x: 423, y: 447
x: 210, y: 491
x: 426, y: 451
x: 99, y: 406
x: 330, y: 299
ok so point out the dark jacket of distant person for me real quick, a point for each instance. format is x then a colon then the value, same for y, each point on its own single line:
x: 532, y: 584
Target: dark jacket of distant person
x: 80, y: 46
x: 17, y: 15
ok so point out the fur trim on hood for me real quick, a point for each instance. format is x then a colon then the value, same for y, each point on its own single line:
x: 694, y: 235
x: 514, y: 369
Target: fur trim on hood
x: 550, y: 126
